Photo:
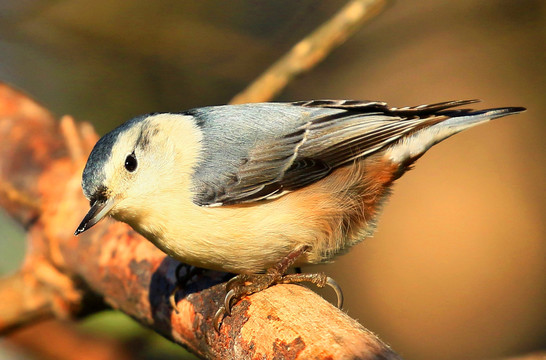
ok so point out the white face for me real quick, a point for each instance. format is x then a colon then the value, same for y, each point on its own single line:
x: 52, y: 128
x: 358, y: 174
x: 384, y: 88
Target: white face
x: 140, y: 170
x: 151, y: 164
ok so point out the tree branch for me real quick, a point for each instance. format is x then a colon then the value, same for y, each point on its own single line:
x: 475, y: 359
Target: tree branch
x: 310, y: 51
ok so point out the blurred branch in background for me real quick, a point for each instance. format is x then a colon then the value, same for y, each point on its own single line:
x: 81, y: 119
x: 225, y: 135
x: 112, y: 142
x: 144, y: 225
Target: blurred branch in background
x: 66, y: 277
x: 62, y: 340
x: 310, y: 51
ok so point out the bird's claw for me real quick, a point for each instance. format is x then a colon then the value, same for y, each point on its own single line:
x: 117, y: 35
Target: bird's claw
x: 226, y: 308
x: 227, y: 301
x: 334, y: 285
x: 182, y: 281
x: 172, y: 298
x: 179, y: 279
x: 217, y: 320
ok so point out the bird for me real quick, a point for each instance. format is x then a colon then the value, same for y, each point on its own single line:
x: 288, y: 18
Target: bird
x: 254, y: 189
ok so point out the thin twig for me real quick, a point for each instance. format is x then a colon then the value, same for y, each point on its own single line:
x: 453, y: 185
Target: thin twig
x: 310, y: 51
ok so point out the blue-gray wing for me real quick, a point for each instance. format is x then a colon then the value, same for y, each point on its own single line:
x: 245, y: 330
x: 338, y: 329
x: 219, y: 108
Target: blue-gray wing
x: 254, y: 152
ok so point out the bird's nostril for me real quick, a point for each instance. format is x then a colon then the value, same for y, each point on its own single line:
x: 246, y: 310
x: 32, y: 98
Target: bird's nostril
x: 100, y: 194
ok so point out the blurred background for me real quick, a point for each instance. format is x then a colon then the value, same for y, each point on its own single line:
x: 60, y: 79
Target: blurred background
x: 457, y: 267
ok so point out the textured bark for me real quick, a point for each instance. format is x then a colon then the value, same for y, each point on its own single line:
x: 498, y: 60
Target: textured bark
x: 41, y: 161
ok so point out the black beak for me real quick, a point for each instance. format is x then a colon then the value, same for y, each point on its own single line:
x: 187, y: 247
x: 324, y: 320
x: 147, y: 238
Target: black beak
x: 99, y: 210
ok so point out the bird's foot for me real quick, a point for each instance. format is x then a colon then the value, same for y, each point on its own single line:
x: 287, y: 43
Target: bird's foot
x: 182, y: 279
x: 246, y: 284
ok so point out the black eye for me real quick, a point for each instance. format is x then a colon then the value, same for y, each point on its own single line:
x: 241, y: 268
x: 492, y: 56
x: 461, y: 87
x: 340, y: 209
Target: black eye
x: 130, y: 162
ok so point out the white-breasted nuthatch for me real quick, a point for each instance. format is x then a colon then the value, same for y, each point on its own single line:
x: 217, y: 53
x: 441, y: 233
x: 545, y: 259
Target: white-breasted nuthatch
x: 238, y: 188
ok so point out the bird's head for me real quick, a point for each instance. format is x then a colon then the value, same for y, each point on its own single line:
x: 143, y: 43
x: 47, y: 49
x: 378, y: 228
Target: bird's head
x: 136, y: 162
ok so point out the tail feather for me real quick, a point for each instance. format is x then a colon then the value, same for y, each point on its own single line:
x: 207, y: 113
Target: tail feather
x: 465, y: 118
x: 426, y: 125
x: 413, y: 146
x: 382, y: 107
x: 423, y: 110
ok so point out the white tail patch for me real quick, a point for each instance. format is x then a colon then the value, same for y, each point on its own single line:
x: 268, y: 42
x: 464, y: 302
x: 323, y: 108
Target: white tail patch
x: 419, y: 142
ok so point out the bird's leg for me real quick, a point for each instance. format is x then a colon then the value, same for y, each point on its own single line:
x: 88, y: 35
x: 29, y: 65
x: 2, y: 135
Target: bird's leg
x: 319, y: 279
x: 246, y: 284
x: 182, y: 281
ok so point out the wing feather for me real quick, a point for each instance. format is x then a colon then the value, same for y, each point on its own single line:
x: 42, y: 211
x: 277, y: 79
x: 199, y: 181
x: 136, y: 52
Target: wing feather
x: 321, y: 136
